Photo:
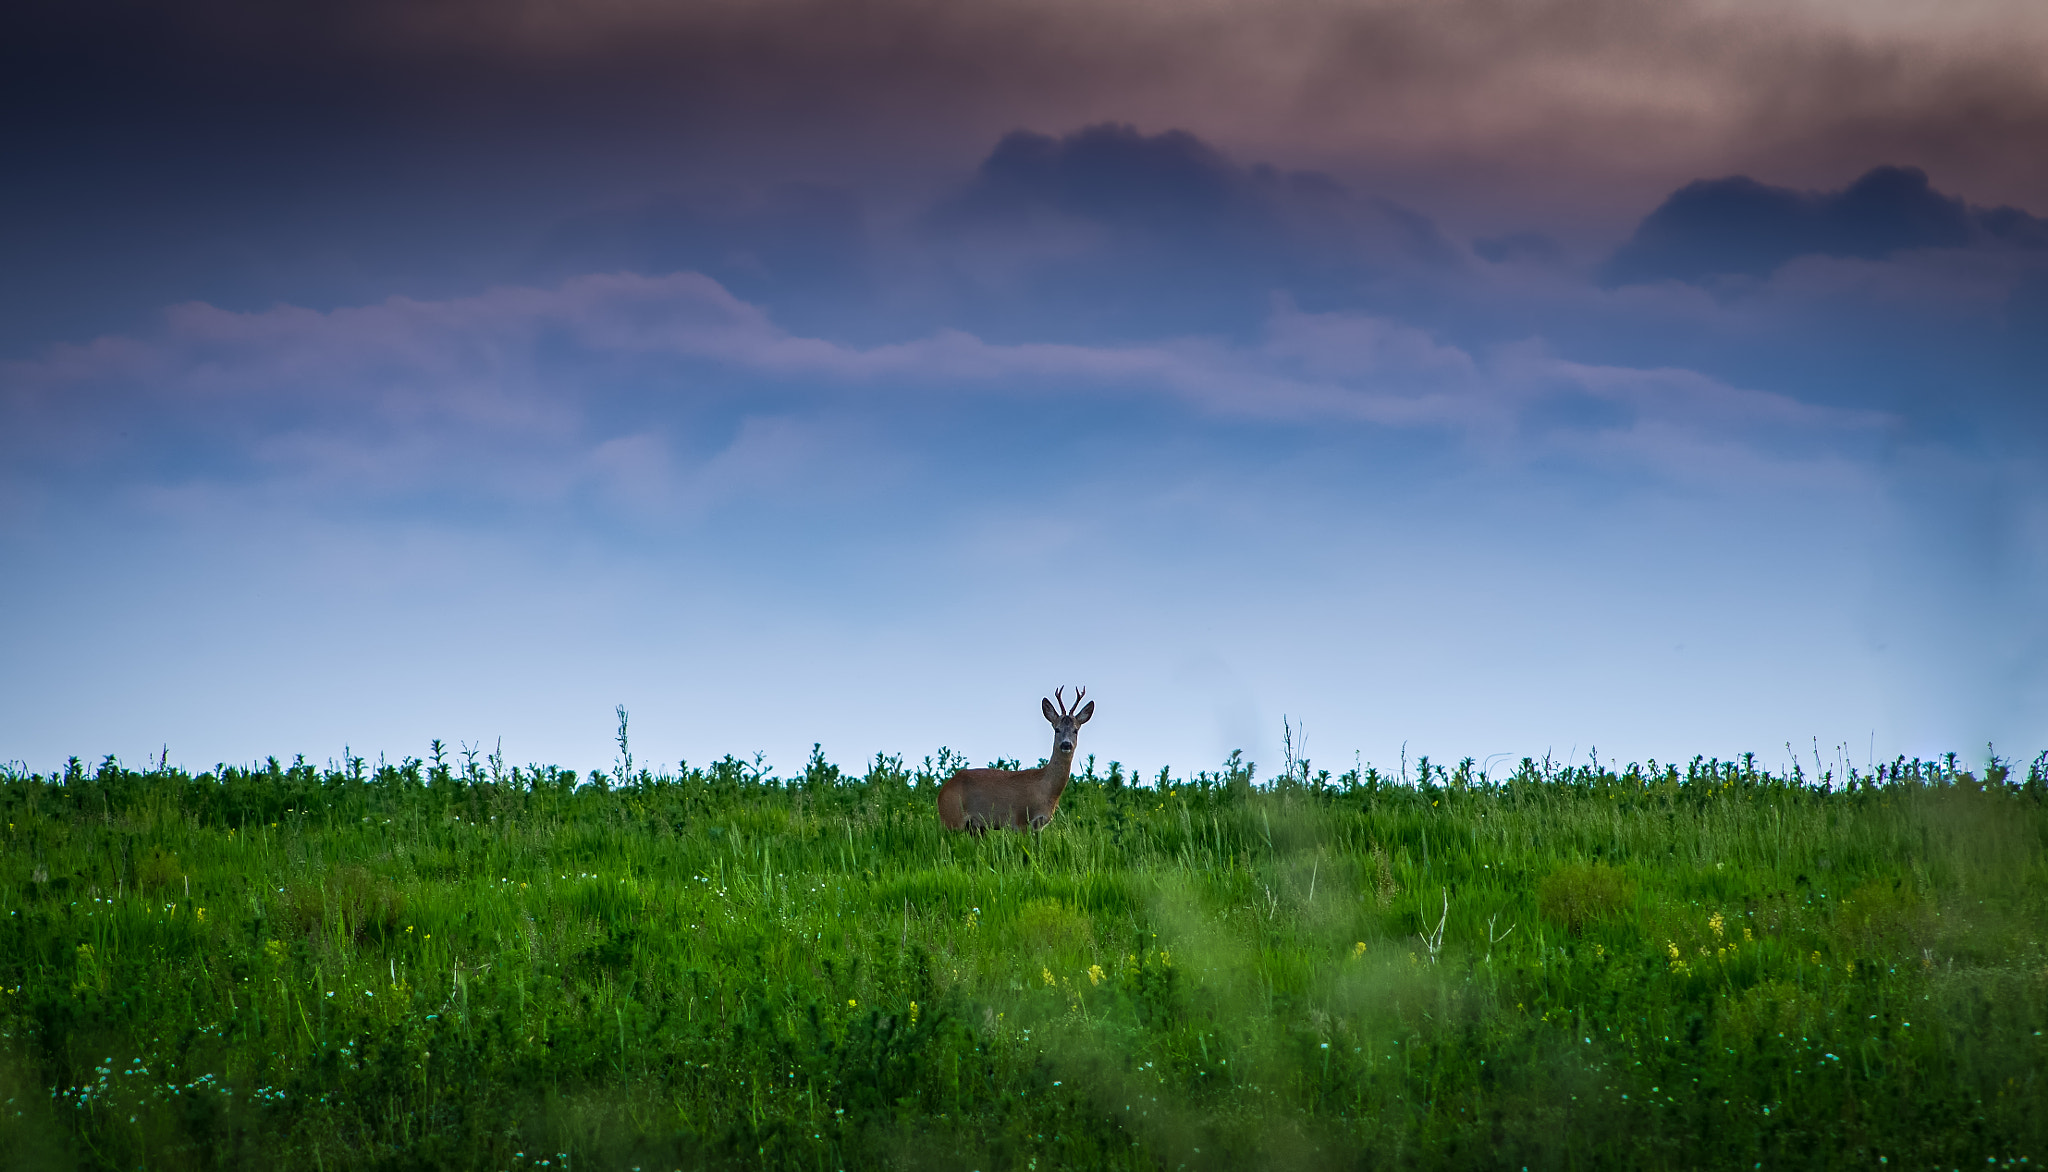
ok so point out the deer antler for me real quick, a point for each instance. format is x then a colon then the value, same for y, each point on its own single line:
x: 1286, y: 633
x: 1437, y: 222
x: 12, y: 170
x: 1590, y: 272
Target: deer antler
x: 1058, y: 701
x: 1078, y: 693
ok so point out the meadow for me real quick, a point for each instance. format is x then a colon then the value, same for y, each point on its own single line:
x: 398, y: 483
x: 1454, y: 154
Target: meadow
x: 447, y: 962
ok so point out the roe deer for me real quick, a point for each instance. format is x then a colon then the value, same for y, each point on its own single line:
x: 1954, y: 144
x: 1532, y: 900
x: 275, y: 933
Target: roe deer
x: 976, y: 799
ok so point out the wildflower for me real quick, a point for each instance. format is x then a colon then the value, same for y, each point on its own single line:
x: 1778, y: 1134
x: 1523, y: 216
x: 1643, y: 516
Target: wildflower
x: 1094, y: 974
x: 1047, y: 974
x: 913, y: 1013
x: 1716, y: 923
x: 1358, y: 950
x: 850, y: 1003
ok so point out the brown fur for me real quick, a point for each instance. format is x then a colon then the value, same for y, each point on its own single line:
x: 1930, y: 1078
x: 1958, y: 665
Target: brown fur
x: 976, y: 800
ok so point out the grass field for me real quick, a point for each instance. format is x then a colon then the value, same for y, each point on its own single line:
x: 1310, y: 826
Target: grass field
x: 447, y: 963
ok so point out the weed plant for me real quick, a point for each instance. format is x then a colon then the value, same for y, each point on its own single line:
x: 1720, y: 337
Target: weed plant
x: 453, y: 964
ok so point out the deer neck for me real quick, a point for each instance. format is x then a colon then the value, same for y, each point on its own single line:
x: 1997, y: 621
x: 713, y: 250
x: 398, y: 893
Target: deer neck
x: 1057, y: 771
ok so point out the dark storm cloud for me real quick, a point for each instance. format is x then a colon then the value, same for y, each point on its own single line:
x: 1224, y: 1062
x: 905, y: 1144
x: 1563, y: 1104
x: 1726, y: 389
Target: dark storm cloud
x: 1107, y: 232
x: 1542, y: 90
x: 1117, y: 232
x: 1181, y: 191
x: 1738, y: 226
x: 330, y: 153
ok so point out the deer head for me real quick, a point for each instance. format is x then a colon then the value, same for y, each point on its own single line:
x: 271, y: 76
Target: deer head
x: 1067, y: 720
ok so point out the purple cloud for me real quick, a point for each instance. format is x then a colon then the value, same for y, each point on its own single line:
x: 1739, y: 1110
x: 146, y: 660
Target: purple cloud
x: 507, y: 393
x: 1737, y: 226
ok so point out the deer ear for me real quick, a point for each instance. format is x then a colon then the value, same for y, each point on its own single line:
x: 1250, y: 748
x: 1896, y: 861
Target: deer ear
x: 1050, y: 715
x: 1086, y: 712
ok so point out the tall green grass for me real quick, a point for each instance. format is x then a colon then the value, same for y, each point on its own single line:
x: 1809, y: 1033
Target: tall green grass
x: 455, y: 964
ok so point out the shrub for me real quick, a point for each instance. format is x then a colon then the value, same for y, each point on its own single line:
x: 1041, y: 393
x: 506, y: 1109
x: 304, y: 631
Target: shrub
x: 1577, y: 893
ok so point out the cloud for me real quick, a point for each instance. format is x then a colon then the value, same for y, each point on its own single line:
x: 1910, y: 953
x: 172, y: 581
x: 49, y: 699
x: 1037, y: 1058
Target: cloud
x: 1737, y: 226
x: 520, y: 395
x: 1182, y: 191
x: 668, y: 396
x: 1552, y: 92
x: 1102, y: 234
x: 804, y: 246
x: 1109, y: 231
x: 332, y: 154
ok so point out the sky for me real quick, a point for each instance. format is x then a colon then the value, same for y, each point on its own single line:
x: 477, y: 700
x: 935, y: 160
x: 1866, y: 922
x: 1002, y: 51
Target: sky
x: 1404, y: 377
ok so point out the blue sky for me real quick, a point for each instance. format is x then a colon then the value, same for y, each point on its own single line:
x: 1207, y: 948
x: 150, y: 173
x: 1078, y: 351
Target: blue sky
x: 1667, y: 382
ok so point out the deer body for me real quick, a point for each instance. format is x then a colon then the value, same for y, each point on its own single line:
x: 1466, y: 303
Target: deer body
x: 976, y: 800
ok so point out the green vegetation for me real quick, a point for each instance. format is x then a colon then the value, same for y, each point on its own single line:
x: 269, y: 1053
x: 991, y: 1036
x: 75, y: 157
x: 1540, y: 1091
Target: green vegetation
x: 448, y: 963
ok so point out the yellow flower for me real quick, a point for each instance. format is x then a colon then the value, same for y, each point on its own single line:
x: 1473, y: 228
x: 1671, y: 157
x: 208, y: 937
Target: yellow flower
x: 1094, y: 974
x: 1047, y: 974
x: 1358, y: 950
x: 1717, y: 924
x: 1672, y: 948
x: 1748, y: 936
x: 850, y: 1003
x: 913, y: 1013
x: 201, y: 914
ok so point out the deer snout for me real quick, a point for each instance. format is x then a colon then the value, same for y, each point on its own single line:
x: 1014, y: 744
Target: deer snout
x: 1067, y: 745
